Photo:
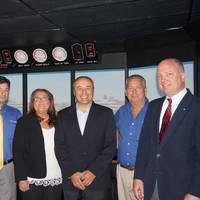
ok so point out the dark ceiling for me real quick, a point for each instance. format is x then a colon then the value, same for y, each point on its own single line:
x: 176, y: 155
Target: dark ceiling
x: 30, y: 22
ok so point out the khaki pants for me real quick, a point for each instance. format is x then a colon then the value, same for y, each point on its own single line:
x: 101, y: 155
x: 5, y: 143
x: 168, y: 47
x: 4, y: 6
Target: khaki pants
x: 7, y: 183
x: 125, y: 183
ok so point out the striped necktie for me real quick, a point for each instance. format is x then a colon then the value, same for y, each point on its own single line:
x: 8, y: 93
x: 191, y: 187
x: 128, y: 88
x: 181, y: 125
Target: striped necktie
x: 1, y: 141
x: 165, y: 120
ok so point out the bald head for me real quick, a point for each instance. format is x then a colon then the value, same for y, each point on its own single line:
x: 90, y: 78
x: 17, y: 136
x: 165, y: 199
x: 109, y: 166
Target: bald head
x: 170, y: 76
x: 176, y: 62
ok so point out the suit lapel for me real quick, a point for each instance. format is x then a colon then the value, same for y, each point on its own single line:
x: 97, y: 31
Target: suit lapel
x: 90, y: 119
x: 158, y: 112
x: 74, y: 121
x: 177, y: 118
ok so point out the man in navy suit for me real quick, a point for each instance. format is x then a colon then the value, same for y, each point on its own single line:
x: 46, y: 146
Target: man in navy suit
x: 85, y: 145
x: 169, y: 169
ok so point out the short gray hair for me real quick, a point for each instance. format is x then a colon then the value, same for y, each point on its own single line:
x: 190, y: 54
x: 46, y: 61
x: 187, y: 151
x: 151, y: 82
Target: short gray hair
x: 136, y: 76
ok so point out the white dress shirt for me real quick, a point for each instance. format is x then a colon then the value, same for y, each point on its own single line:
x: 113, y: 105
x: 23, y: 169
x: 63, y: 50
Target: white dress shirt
x: 82, y: 117
x: 176, y: 99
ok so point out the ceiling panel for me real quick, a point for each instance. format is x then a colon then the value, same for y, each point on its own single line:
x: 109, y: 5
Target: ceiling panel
x: 14, y: 8
x: 119, y: 30
x: 107, y: 14
x: 25, y: 24
x: 33, y: 21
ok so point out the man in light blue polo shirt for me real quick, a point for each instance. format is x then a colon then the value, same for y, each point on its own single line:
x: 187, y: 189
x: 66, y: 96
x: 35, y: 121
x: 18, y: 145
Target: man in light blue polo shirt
x: 129, y: 120
x: 9, y: 116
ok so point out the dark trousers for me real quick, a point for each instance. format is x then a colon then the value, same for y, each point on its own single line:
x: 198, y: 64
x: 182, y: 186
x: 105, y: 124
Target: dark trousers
x: 43, y: 193
x: 86, y: 195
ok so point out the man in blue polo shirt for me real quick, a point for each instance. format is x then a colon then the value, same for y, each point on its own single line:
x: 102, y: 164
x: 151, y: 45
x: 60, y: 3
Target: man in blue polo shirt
x: 8, y: 119
x: 129, y: 120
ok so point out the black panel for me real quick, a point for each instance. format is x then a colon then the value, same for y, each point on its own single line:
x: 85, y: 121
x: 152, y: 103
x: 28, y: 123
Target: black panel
x: 31, y: 22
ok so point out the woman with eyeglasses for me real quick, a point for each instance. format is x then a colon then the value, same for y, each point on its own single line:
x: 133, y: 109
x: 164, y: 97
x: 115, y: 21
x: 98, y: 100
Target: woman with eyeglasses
x: 36, y: 168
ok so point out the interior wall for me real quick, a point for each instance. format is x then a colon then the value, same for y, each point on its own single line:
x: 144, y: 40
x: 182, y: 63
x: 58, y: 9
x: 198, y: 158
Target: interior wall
x: 152, y: 49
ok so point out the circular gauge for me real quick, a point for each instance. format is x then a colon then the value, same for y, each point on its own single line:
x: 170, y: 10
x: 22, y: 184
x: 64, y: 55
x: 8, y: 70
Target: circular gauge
x: 59, y: 54
x: 21, y: 56
x: 40, y: 55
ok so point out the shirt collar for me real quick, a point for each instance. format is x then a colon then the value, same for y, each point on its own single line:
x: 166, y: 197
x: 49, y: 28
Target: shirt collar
x: 178, y: 96
x: 79, y: 111
x: 3, y: 108
x: 145, y: 103
x: 144, y: 108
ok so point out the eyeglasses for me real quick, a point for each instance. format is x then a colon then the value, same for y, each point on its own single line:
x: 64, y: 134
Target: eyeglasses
x: 41, y: 99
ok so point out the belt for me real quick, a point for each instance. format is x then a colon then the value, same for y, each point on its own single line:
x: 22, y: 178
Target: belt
x: 127, y: 167
x: 7, y: 162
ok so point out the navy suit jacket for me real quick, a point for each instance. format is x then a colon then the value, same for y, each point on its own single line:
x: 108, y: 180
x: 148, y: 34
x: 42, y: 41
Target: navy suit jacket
x: 93, y: 151
x: 175, y: 163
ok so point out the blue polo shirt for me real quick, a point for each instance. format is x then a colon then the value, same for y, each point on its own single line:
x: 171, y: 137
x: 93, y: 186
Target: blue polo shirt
x: 129, y: 133
x: 10, y: 116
